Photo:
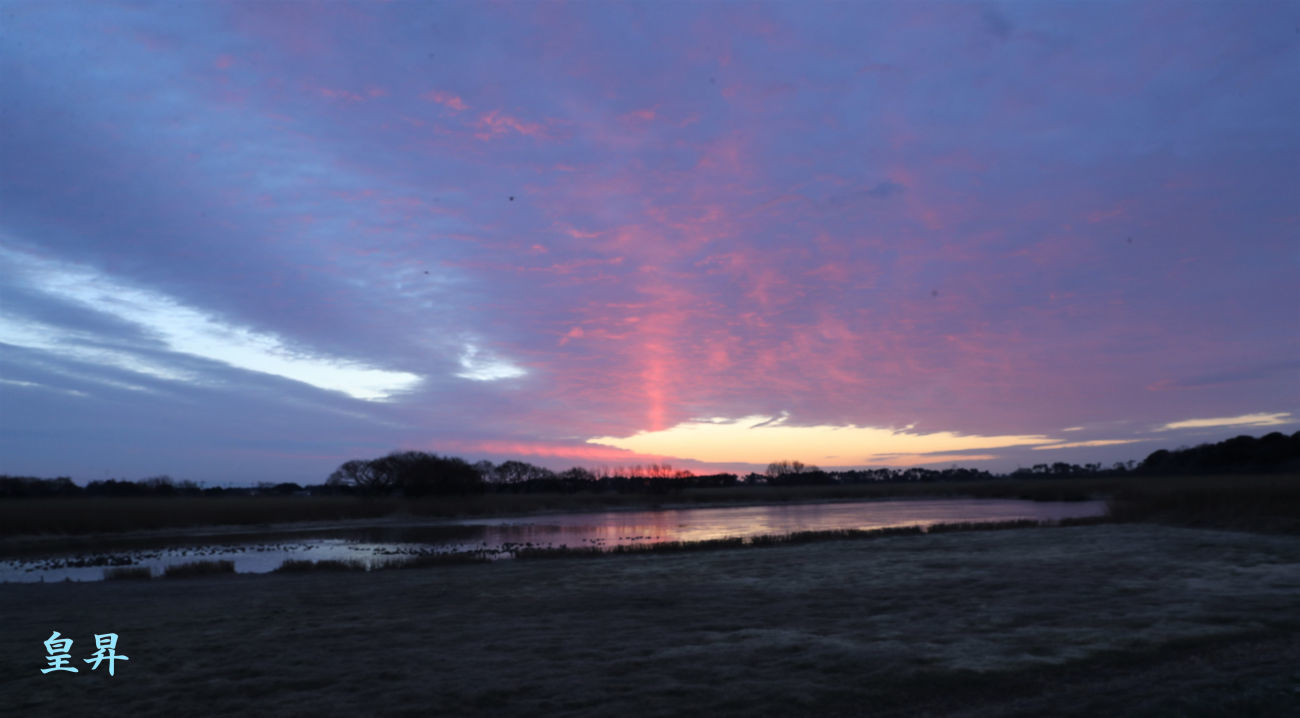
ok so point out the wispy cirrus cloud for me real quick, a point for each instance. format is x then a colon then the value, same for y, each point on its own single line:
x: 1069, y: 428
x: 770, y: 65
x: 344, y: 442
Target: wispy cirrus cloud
x: 1093, y: 442
x: 1262, y: 419
x: 177, y: 328
x: 478, y: 364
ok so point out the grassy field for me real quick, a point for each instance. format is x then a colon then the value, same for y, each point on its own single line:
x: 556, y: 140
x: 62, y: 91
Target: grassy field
x: 1126, y: 619
x: 1258, y: 499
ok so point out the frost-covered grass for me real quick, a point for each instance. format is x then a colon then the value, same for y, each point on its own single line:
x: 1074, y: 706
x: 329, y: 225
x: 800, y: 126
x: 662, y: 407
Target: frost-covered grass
x: 1075, y: 621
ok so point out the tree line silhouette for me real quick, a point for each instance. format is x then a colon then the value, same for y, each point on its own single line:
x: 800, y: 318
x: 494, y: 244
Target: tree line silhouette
x: 420, y: 474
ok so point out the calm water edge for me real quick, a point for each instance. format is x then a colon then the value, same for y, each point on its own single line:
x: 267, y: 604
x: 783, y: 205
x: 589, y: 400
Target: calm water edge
x: 499, y: 536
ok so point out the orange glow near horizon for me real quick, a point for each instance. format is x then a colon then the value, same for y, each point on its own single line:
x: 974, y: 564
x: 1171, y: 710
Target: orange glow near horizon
x: 762, y: 439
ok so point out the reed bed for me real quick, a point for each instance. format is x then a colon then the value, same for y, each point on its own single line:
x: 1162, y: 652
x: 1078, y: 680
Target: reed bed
x: 128, y: 573
x: 1268, y: 503
x: 195, y: 569
x: 448, y: 558
x: 294, y: 565
x: 984, y: 525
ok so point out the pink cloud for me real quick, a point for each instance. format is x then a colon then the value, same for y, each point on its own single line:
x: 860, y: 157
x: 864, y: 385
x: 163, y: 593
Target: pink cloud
x: 574, y: 333
x: 494, y: 123
x: 579, y: 234
x: 724, y: 155
x: 446, y: 99
x: 830, y: 272
x: 638, y: 116
x: 522, y: 449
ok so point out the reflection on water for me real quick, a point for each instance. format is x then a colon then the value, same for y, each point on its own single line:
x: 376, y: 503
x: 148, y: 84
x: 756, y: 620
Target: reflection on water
x: 500, y: 536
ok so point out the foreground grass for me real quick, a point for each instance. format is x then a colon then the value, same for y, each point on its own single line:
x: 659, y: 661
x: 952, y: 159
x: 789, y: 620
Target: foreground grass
x: 1197, y: 500
x: 1079, y: 621
x: 194, y: 569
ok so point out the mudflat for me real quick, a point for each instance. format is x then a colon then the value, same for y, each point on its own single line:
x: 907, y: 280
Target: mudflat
x: 1109, y: 619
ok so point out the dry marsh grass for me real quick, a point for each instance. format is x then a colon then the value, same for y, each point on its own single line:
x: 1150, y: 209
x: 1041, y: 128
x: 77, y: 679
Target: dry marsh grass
x: 1075, y: 621
x: 983, y: 526
x: 1269, y: 503
x: 451, y: 558
x: 194, y: 569
x: 128, y: 573
x: 294, y: 565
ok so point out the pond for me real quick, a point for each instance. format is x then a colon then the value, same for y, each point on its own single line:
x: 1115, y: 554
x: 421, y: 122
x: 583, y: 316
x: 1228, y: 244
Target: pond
x: 499, y: 537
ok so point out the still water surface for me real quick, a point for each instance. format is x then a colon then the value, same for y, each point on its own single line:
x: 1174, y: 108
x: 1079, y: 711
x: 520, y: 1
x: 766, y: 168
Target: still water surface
x: 499, y: 536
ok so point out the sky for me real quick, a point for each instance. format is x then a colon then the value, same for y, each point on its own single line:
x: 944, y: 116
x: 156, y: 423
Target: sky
x: 248, y: 241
